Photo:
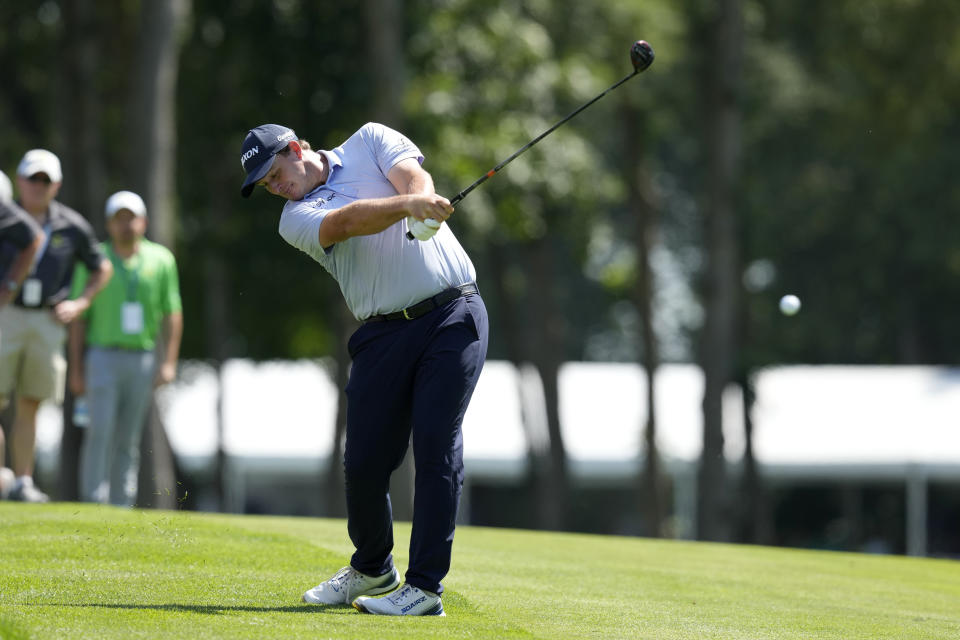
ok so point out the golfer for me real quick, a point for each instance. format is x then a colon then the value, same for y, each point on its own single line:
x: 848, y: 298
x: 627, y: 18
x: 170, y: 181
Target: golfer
x: 416, y: 357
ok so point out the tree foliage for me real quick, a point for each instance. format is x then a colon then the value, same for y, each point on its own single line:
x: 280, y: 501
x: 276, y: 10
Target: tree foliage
x: 851, y: 133
x: 850, y: 126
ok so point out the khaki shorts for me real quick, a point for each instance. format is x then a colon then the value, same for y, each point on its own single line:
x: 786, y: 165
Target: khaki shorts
x: 31, y: 355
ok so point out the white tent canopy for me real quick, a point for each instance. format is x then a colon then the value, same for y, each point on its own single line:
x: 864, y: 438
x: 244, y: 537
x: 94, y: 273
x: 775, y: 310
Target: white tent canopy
x: 287, y: 410
x: 803, y: 415
x: 855, y: 415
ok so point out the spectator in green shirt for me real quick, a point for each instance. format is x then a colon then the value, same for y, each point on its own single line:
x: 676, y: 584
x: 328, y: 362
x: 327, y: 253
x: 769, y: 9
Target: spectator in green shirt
x: 114, y: 348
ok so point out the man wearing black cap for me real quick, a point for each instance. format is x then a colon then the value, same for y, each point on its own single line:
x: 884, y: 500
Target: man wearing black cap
x: 416, y: 358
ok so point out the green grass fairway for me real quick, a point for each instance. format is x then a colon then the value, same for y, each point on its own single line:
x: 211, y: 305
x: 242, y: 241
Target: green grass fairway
x: 85, y: 571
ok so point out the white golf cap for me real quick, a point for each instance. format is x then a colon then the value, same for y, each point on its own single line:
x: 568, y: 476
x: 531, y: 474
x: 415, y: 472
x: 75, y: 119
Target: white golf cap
x: 125, y: 200
x: 6, y: 189
x: 40, y: 161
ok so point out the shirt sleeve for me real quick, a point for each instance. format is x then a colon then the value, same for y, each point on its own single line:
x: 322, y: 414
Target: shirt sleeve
x: 80, y: 277
x: 171, y: 301
x: 300, y: 227
x: 388, y: 146
x: 88, y: 248
x: 17, y: 226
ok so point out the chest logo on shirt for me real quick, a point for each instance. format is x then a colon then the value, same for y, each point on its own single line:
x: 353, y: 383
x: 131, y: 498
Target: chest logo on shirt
x: 57, y: 240
x: 324, y: 198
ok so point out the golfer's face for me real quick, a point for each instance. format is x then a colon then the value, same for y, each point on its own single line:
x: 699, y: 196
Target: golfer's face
x: 287, y: 176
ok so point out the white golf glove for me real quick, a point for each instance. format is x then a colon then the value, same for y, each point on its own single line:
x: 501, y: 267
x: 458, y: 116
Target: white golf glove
x: 422, y: 230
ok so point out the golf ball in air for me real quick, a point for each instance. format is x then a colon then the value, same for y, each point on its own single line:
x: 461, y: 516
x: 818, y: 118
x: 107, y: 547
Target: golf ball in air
x: 789, y: 305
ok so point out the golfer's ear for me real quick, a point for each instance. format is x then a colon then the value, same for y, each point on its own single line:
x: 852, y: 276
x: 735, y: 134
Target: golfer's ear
x: 297, y: 149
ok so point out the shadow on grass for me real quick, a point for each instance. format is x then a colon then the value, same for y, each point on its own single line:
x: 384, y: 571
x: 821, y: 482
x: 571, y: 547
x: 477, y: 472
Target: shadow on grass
x: 463, y: 607
x: 208, y: 609
x: 459, y: 603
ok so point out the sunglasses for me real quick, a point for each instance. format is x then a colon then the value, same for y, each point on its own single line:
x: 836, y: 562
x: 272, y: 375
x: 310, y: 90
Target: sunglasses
x: 40, y: 178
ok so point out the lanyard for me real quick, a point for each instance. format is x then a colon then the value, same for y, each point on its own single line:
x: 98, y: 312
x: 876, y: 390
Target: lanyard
x: 43, y: 247
x: 131, y: 276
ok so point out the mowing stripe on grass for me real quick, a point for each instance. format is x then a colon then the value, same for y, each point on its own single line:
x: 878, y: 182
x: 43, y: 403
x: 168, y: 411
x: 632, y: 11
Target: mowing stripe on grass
x: 87, y: 571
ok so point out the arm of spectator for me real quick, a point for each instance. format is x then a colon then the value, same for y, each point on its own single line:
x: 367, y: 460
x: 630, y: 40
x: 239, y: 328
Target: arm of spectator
x: 20, y: 268
x: 76, y: 340
x: 170, y: 348
x: 68, y: 310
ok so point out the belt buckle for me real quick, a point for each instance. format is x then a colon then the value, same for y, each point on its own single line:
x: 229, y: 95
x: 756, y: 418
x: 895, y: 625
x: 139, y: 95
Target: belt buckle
x: 406, y: 315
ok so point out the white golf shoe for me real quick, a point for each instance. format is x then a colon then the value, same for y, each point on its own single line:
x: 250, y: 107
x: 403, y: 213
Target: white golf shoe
x: 348, y: 584
x: 405, y: 601
x: 23, y: 490
x: 7, y: 480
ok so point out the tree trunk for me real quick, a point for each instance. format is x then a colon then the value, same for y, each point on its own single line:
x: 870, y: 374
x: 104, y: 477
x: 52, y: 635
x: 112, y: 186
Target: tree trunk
x: 643, y: 213
x: 217, y: 324
x: 83, y: 183
x: 384, y: 20
x: 153, y: 143
x: 219, y: 289
x: 157, y: 485
x: 510, y: 333
x: 154, y: 114
x: 718, y: 347
x: 82, y: 116
x: 546, y: 353
x: 755, y: 523
x: 344, y: 324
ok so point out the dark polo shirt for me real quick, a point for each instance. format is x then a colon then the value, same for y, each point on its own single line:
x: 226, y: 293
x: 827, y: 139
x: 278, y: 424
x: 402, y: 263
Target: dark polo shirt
x: 70, y: 238
x: 17, y: 229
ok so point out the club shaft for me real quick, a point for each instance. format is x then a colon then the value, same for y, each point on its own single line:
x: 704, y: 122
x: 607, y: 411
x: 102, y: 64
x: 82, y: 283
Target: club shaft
x: 489, y: 174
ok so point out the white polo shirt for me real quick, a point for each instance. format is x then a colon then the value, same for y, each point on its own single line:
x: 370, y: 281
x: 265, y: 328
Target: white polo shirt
x: 383, y: 272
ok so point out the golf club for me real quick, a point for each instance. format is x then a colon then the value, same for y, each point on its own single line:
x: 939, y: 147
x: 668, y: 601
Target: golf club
x: 641, y: 55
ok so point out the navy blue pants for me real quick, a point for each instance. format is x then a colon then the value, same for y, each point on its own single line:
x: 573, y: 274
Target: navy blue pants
x: 411, y: 376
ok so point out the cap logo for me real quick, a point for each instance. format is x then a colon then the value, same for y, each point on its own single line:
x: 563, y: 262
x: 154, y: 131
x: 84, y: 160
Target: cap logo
x: 259, y: 151
x: 249, y: 154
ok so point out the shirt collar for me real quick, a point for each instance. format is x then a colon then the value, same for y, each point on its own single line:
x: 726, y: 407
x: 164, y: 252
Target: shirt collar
x: 334, y: 161
x: 53, y: 214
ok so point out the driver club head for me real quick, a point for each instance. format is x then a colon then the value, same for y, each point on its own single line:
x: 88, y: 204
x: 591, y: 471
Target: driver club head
x: 641, y: 55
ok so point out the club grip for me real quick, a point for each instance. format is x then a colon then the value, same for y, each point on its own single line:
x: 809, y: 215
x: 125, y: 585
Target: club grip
x: 457, y: 198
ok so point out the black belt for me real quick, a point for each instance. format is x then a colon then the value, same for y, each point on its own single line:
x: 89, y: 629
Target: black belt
x: 426, y: 306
